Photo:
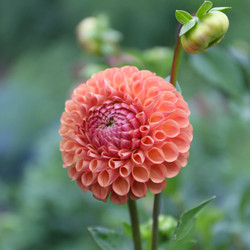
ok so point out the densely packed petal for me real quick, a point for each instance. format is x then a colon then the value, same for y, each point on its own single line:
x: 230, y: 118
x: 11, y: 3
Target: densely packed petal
x: 124, y: 132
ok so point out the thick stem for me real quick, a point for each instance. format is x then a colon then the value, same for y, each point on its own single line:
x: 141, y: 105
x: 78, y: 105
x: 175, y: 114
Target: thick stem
x: 135, y: 224
x: 155, y: 229
x: 176, y: 60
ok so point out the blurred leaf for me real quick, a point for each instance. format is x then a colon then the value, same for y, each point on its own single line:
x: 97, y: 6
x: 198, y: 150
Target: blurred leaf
x: 127, y: 229
x: 109, y: 239
x: 207, y: 5
x: 218, y: 67
x: 183, y: 237
x: 182, y: 16
x: 245, y: 204
x: 188, y: 26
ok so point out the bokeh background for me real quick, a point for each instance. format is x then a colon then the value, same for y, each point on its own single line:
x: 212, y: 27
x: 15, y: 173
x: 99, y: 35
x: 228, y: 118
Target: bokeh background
x: 40, y: 63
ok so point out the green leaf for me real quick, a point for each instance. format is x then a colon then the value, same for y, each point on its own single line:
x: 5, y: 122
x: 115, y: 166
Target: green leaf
x: 183, y: 237
x: 127, y: 230
x: 222, y: 9
x: 221, y: 70
x: 182, y: 16
x: 207, y: 5
x: 188, y: 26
x: 110, y: 240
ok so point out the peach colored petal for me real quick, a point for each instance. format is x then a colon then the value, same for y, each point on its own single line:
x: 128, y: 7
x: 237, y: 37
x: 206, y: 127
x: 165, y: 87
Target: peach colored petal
x: 79, y: 183
x: 181, y: 117
x: 170, y: 151
x: 144, y: 129
x: 100, y: 193
x: 158, y: 173
x: 82, y: 165
x: 156, y: 188
x: 118, y: 199
x: 182, y: 142
x: 129, y: 71
x: 140, y: 173
x: 159, y: 136
x: 166, y: 107
x: 141, y: 117
x: 138, y: 157
x: 171, y: 128
x: 73, y: 174
x: 188, y: 131
x: 115, y: 163
x: 88, y: 178
x: 156, y: 119
x: 119, y: 78
x: 139, y: 189
x: 173, y: 168
x: 169, y: 96
x: 97, y: 165
x: 149, y: 106
x: 121, y: 186
x: 124, y: 153
x: 107, y: 177
x: 183, y: 159
x: 68, y: 159
x: 126, y: 169
x: 147, y: 142
x: 155, y: 155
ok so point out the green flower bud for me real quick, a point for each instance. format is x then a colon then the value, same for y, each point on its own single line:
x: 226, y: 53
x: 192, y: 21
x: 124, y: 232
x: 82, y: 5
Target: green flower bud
x: 208, y: 31
x: 96, y: 37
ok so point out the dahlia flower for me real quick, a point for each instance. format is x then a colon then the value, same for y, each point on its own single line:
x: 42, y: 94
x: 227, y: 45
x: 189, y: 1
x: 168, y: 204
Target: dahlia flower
x: 124, y: 132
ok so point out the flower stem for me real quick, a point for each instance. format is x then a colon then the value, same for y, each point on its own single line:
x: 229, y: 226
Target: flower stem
x: 176, y: 60
x: 155, y: 230
x: 135, y: 224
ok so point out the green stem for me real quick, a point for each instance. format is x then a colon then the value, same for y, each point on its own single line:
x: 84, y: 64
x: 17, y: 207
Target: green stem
x: 176, y: 60
x: 135, y: 224
x: 155, y: 230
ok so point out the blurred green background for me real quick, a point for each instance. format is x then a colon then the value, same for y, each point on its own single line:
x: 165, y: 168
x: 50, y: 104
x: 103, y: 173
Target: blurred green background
x: 40, y: 63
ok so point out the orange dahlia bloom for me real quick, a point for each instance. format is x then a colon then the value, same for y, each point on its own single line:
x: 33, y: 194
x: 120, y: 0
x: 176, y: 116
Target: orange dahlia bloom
x: 123, y: 132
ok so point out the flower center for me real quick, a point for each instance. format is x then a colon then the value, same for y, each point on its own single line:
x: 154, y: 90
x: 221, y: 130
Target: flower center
x: 112, y: 125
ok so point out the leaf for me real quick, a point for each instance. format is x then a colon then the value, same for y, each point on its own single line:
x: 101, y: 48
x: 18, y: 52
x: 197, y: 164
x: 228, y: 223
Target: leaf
x: 183, y: 237
x: 110, y: 240
x: 222, y: 9
x: 188, y: 26
x: 221, y: 70
x: 127, y: 230
x: 182, y: 16
x: 207, y: 5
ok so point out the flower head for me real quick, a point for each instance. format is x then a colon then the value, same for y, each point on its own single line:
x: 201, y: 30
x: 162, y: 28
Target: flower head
x: 123, y: 132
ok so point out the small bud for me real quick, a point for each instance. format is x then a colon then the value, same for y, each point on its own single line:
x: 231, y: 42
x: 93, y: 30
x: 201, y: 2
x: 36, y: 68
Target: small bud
x: 208, y: 31
x: 96, y: 37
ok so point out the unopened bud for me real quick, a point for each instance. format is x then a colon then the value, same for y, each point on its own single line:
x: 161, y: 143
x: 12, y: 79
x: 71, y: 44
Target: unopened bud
x: 208, y: 32
x: 96, y: 37
x: 204, y: 30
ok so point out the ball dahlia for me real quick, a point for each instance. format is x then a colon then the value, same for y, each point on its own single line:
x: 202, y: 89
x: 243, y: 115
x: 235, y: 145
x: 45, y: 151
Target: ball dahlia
x: 123, y: 132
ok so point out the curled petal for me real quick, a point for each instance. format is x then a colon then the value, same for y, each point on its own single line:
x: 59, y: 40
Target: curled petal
x: 138, y: 157
x: 115, y: 163
x: 118, y: 199
x: 181, y: 117
x: 171, y: 128
x: 158, y: 173
x: 107, y: 177
x: 88, y: 178
x: 97, y: 165
x: 182, y: 142
x: 144, y: 129
x: 170, y: 151
x: 173, y: 168
x: 156, y: 119
x: 79, y: 183
x: 147, y: 142
x: 82, y: 165
x: 156, y: 188
x: 121, y: 186
x: 139, y: 189
x: 155, y: 155
x: 159, y: 136
x: 100, y: 193
x: 166, y: 107
x: 126, y: 169
x: 140, y: 173
x: 68, y: 159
